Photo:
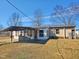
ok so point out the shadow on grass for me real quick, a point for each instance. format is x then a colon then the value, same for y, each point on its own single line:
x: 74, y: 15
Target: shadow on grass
x: 33, y: 41
x: 23, y: 39
x: 28, y: 40
x: 4, y: 43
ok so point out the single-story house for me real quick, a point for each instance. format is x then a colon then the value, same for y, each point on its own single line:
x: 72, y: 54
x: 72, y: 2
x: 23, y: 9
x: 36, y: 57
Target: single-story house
x: 41, y: 33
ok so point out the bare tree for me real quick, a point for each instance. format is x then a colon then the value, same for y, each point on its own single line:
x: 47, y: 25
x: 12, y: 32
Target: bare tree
x: 59, y: 13
x: 15, y: 20
x: 65, y: 16
x: 37, y: 20
x: 74, y: 9
x: 38, y: 17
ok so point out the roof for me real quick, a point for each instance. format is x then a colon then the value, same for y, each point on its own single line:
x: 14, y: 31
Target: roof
x: 56, y: 26
x: 63, y: 26
x: 16, y: 28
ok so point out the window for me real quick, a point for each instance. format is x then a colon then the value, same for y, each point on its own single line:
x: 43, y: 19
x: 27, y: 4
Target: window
x: 57, y: 31
x: 41, y: 33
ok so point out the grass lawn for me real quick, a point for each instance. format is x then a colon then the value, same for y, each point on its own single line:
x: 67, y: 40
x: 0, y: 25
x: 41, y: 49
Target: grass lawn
x: 53, y: 49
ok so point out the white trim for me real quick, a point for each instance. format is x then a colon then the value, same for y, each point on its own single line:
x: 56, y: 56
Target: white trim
x: 45, y: 34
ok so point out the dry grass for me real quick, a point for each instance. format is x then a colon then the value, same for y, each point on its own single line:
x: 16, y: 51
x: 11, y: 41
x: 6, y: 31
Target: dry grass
x: 5, y: 39
x: 68, y: 48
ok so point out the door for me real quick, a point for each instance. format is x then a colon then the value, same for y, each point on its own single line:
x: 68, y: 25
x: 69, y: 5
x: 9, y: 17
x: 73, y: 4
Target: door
x: 41, y: 33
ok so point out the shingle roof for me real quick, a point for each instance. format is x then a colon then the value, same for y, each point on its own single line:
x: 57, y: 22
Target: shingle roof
x: 16, y: 28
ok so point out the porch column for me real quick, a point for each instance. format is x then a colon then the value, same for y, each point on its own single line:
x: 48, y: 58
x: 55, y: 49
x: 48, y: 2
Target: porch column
x: 32, y: 34
x: 64, y: 33
x: 24, y: 32
x: 11, y: 36
x: 36, y: 33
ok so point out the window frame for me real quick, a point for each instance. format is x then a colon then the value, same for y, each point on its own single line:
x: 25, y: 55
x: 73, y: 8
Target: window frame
x: 57, y: 31
x: 41, y: 34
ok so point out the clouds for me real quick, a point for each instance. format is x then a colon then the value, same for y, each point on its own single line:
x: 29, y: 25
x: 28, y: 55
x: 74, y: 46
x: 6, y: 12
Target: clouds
x: 31, y: 19
x: 26, y: 19
x: 46, y: 17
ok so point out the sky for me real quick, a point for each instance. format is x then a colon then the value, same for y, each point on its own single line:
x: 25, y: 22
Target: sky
x: 28, y: 7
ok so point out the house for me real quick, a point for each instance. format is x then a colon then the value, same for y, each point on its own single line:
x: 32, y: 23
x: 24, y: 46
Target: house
x: 41, y: 33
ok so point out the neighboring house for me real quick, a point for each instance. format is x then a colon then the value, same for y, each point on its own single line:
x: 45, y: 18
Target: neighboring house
x: 41, y: 33
x: 4, y: 34
x: 77, y: 33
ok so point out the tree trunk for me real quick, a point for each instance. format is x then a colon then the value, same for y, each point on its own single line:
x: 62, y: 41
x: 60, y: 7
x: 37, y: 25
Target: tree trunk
x: 36, y: 33
x: 11, y: 36
x: 65, y: 33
